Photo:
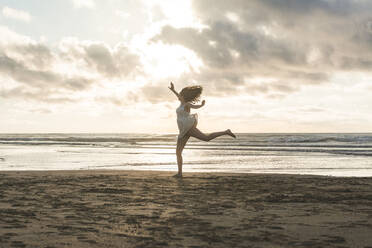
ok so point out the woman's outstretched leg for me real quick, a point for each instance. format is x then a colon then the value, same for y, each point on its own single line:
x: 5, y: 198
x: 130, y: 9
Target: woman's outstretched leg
x: 180, y: 145
x: 196, y: 133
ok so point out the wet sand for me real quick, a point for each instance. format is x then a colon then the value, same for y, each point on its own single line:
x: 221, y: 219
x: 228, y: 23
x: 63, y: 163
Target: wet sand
x: 153, y: 209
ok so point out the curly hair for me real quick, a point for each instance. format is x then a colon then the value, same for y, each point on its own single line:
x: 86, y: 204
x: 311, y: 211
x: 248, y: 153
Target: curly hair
x: 191, y: 93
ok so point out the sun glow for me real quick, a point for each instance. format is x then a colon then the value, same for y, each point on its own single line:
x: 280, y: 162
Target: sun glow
x: 169, y: 60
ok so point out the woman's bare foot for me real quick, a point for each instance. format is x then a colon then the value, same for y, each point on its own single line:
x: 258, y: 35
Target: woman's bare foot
x: 228, y: 132
x: 178, y: 175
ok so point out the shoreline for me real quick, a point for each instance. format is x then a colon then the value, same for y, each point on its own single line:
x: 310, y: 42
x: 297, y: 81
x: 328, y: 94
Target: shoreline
x: 171, y: 173
x: 117, y: 208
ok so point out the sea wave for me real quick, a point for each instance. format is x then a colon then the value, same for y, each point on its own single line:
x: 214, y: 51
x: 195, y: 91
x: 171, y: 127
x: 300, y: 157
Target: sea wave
x: 341, y: 144
x: 322, y: 139
x: 82, y: 139
x: 144, y: 138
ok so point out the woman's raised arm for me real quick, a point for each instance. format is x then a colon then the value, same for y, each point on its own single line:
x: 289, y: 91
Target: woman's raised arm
x: 194, y: 106
x: 173, y: 90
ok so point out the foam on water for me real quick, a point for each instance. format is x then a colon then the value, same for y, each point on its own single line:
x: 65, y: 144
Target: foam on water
x: 320, y: 154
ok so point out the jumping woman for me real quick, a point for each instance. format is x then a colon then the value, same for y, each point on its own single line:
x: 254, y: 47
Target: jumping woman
x: 187, y: 122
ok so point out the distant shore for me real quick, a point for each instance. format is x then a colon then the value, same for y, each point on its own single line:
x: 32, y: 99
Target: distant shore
x: 107, y: 208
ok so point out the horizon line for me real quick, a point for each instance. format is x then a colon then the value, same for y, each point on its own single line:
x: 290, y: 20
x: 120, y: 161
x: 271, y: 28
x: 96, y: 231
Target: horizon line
x: 370, y: 132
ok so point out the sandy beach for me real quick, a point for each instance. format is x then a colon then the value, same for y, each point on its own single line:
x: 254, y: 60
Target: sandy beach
x: 153, y: 209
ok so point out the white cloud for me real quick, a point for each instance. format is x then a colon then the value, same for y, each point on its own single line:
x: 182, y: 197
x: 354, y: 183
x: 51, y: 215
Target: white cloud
x: 232, y: 16
x: 9, y: 37
x: 122, y: 14
x: 260, y: 39
x: 32, y: 70
x: 16, y: 14
x: 83, y: 3
x: 178, y: 13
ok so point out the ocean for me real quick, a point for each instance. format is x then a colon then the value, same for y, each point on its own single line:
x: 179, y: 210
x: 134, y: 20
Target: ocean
x: 317, y: 154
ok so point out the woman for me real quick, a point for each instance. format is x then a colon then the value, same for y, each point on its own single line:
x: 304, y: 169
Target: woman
x: 187, y: 122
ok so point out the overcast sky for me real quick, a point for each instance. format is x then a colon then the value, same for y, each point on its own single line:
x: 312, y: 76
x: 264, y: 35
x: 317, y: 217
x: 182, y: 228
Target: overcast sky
x: 265, y: 65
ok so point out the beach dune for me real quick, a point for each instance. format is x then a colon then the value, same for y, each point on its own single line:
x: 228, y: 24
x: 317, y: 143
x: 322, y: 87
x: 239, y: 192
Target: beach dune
x: 152, y: 209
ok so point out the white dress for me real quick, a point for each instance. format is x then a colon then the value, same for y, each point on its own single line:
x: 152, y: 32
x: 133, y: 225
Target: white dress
x: 185, y: 120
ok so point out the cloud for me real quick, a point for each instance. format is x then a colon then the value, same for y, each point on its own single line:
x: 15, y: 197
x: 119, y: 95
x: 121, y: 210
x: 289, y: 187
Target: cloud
x: 32, y: 70
x: 127, y: 98
x: 110, y: 62
x: 83, y: 3
x: 40, y: 95
x: 156, y: 93
x: 35, y: 54
x: 292, y: 44
x: 41, y: 110
x: 20, y: 72
x: 16, y: 14
x: 122, y: 14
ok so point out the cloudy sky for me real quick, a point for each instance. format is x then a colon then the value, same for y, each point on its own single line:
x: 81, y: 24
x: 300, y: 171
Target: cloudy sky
x: 265, y: 65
